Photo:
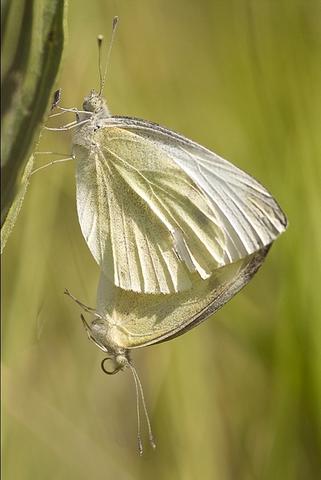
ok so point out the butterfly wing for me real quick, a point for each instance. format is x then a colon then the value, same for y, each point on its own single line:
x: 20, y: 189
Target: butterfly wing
x: 137, y: 320
x: 159, y: 211
x: 250, y: 216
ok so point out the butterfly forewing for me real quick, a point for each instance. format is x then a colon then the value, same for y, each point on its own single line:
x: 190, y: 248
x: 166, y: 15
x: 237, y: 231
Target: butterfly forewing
x: 159, y: 211
x: 250, y: 216
x: 145, y: 221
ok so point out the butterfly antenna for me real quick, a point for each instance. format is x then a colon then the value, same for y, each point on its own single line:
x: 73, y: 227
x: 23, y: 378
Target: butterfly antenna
x: 139, y: 390
x: 100, y: 39
x: 102, y: 77
x: 139, y: 436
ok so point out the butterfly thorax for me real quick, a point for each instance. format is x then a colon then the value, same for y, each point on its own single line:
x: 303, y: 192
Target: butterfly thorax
x: 96, y: 104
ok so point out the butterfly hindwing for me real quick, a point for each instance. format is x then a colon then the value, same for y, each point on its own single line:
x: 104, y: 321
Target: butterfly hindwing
x: 136, y: 320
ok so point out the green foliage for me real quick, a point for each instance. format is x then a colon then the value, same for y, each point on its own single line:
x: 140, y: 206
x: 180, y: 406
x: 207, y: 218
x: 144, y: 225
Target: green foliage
x: 32, y: 42
x: 238, y: 398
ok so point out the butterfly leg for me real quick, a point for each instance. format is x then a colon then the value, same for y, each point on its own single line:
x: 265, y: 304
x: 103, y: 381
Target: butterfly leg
x: 82, y: 305
x: 69, y: 126
x: 53, y: 162
x: 87, y: 327
x: 55, y: 105
x: 76, y: 111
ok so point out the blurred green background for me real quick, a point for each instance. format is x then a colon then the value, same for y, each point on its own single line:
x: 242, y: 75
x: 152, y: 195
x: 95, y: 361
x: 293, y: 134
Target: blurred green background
x: 240, y: 396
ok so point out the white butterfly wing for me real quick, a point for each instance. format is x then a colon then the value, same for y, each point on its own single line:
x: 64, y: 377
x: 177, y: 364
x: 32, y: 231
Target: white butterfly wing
x: 136, y: 320
x: 250, y: 216
x: 158, y: 210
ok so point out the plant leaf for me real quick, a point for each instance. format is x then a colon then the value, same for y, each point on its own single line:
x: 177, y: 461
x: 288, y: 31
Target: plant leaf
x: 32, y: 44
x: 16, y: 205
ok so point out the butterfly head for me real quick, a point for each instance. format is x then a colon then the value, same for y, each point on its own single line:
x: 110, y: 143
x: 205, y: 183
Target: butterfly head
x: 96, y: 104
x: 98, y: 332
